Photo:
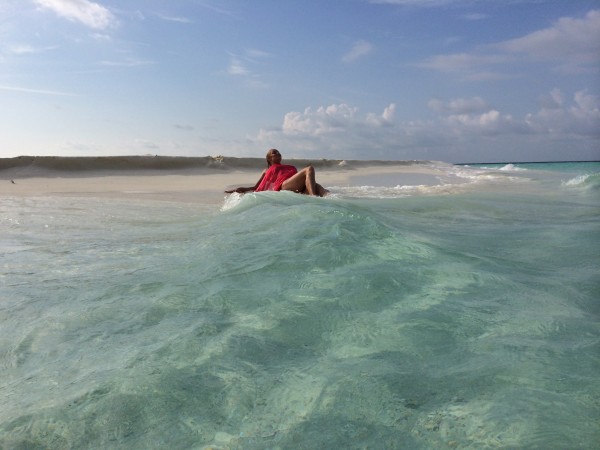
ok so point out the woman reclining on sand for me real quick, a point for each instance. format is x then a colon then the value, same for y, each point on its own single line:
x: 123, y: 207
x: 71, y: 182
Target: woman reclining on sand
x: 278, y: 177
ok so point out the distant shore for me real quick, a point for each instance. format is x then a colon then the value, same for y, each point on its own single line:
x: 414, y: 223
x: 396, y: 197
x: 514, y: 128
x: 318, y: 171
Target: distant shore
x: 36, y: 165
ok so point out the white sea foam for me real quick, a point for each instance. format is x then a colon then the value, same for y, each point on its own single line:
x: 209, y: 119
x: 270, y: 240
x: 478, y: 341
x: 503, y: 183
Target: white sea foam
x: 231, y: 201
x: 577, y: 181
x: 512, y: 168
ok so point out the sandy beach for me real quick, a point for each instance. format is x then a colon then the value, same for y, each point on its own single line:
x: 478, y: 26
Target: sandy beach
x: 206, y: 188
x: 196, y: 184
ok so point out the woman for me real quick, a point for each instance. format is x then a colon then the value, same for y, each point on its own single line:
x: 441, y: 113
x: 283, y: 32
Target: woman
x: 282, y: 177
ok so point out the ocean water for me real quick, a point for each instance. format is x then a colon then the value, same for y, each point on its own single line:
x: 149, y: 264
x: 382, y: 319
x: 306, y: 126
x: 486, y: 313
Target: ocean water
x: 464, y: 314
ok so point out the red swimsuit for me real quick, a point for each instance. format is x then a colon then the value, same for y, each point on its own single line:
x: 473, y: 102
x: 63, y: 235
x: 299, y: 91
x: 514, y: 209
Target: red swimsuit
x: 275, y: 176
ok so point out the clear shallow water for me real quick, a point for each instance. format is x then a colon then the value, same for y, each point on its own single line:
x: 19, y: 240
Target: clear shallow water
x: 455, y: 316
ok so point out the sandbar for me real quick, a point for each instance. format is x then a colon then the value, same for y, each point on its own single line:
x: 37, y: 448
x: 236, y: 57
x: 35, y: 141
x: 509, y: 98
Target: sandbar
x: 205, y: 185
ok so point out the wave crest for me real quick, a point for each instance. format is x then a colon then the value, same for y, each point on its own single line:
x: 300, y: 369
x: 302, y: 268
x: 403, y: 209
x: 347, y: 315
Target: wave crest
x: 586, y: 181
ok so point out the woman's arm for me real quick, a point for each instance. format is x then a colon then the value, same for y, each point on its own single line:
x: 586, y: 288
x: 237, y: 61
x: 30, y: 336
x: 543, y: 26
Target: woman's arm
x: 241, y: 190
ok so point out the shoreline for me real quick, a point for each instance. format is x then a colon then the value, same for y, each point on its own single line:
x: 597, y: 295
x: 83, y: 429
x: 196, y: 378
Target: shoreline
x: 206, y: 187
x: 204, y: 181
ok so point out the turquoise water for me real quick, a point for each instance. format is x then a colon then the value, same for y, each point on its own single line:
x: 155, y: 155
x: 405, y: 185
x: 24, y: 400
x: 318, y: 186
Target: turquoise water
x: 462, y: 315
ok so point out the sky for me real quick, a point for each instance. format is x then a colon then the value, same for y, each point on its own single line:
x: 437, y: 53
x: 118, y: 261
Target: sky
x: 449, y: 80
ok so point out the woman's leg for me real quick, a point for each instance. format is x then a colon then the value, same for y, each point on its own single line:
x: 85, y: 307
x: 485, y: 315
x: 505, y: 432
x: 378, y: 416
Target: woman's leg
x: 305, y: 179
x: 321, y: 191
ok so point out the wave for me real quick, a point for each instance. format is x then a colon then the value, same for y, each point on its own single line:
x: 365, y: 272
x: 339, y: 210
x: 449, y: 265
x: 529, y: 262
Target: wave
x: 586, y: 181
x: 511, y: 167
x: 508, y: 167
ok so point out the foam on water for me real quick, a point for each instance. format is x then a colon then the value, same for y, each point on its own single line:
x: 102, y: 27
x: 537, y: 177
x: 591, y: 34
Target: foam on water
x: 464, y: 318
x: 586, y: 182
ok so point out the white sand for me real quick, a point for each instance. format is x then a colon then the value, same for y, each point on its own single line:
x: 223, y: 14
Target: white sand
x: 204, y: 187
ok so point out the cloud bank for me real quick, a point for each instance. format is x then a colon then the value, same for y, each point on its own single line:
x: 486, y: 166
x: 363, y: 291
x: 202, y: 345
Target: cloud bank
x: 462, y: 129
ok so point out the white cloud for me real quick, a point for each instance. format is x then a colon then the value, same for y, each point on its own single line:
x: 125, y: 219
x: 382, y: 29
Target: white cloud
x: 359, y: 49
x: 581, y: 117
x: 236, y: 67
x: 173, y: 18
x: 34, y: 91
x: 323, y: 120
x: 101, y: 37
x: 475, y: 16
x: 569, y: 39
x: 486, y: 75
x: 553, y: 100
x: 467, y: 126
x: 586, y: 102
x: 459, y: 62
x: 340, y: 130
x: 572, y: 45
x: 127, y: 62
x: 24, y: 49
x: 218, y: 10
x: 389, y: 112
x: 452, y: 40
x: 458, y: 106
x: 86, y: 12
x: 487, y: 123
x: 256, y: 83
x: 21, y: 49
x: 255, y: 54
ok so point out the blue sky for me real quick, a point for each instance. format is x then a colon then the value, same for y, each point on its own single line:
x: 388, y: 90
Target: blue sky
x: 450, y: 80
